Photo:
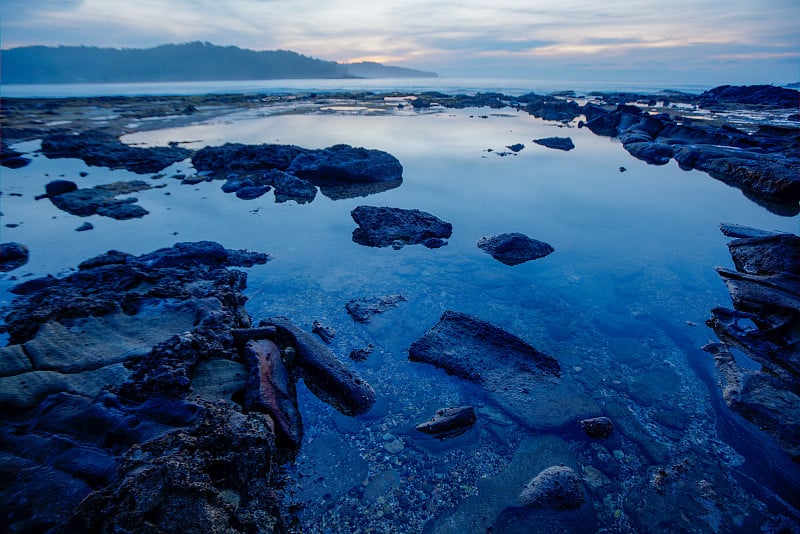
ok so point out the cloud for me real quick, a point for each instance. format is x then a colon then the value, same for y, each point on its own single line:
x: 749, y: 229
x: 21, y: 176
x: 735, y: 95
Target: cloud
x: 447, y: 35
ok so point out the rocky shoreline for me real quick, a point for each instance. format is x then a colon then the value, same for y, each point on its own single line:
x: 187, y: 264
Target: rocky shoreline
x: 140, y: 389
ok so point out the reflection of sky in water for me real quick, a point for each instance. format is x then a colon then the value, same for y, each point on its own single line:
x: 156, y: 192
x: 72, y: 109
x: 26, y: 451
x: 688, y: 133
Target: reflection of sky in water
x: 634, y: 252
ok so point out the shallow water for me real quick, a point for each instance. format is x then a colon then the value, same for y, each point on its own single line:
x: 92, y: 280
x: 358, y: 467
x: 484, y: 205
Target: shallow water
x: 621, y: 304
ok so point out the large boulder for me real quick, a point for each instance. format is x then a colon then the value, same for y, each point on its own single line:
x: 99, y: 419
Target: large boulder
x: 557, y: 487
x: 384, y: 226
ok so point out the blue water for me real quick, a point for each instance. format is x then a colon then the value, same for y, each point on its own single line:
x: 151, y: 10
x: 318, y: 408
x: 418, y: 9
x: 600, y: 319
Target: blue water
x: 447, y: 85
x: 621, y: 304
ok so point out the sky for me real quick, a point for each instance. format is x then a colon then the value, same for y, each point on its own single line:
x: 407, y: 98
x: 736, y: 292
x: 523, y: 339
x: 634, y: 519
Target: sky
x: 685, y: 41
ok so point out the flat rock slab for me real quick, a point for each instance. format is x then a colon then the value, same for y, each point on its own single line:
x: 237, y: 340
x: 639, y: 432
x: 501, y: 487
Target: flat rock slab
x: 102, y: 200
x: 514, y: 248
x: 520, y: 379
x: 384, y: 226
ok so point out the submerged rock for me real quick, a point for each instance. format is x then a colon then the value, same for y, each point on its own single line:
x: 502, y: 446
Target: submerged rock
x: 558, y: 143
x: 598, y: 427
x: 557, y: 487
x: 449, y: 422
x: 290, y: 187
x: 764, y: 324
x: 381, y: 227
x: 325, y: 375
x: 362, y: 310
x: 514, y: 248
x: 12, y: 256
x: 520, y: 379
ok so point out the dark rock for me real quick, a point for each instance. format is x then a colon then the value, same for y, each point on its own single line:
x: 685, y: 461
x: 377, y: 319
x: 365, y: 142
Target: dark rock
x: 380, y: 227
x: 361, y: 355
x: 324, y: 374
x: 144, y: 454
x: 59, y: 187
x: 362, y: 310
x: 12, y: 256
x: 761, y: 95
x: 253, y: 192
x: 558, y: 143
x: 290, y: 187
x: 557, y: 487
x: 478, y: 351
x: 449, y: 422
x: 652, y: 153
x: 518, y: 378
x: 270, y: 389
x: 325, y: 333
x: 101, y: 200
x: 232, y: 185
x: 516, y: 147
x: 737, y: 231
x: 514, y: 248
x: 550, y: 108
x: 597, y: 427
x: 10, y: 158
x: 768, y: 175
x: 84, y: 227
x: 343, y: 163
x: 765, y: 291
x: 234, y: 157
x: 104, y: 150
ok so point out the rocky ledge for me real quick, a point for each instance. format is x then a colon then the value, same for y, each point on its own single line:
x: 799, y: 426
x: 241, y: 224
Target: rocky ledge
x: 138, y: 391
x: 765, y: 325
x: 340, y: 171
x: 102, y: 149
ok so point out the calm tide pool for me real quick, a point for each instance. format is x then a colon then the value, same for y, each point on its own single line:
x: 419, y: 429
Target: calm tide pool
x: 621, y: 303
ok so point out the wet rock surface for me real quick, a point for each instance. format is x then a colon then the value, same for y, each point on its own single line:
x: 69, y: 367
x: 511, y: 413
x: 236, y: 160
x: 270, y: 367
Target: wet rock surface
x: 12, y: 256
x: 512, y: 371
x: 449, y: 422
x: 385, y: 226
x: 764, y: 324
x: 137, y: 389
x: 99, y: 200
x: 100, y: 149
x: 557, y: 487
x: 362, y: 310
x: 514, y: 248
x: 340, y: 171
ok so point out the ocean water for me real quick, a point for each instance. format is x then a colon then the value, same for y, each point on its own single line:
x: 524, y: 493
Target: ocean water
x: 514, y: 87
x: 621, y: 303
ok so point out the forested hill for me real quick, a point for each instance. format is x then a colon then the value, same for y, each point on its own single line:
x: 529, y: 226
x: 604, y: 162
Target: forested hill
x: 174, y: 63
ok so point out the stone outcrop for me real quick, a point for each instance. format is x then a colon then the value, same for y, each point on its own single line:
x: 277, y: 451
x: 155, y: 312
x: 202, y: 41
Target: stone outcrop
x: 519, y: 378
x: 764, y: 324
x: 101, y: 149
x: 138, y: 391
x: 384, y: 226
x: 514, y: 248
